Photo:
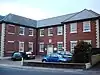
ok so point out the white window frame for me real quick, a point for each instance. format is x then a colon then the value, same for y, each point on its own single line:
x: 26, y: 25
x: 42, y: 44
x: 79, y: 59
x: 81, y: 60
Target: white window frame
x: 32, y: 31
x: 41, y: 43
x: 73, y: 25
x: 23, y: 30
x: 32, y: 46
x: 20, y: 45
x: 12, y: 26
x: 60, y: 30
x: 59, y: 43
x: 49, y: 32
x: 72, y: 48
x: 88, y: 41
x: 85, y: 24
x: 41, y: 31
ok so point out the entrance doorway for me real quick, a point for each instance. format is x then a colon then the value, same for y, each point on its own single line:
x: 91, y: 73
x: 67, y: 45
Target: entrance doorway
x: 49, y: 49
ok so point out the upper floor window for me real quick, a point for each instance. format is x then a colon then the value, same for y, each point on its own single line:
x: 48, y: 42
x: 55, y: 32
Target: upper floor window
x: 41, y: 32
x: 86, y: 26
x: 21, y: 30
x: 60, y: 30
x: 73, y: 28
x: 50, y: 31
x: 30, y: 32
x: 11, y: 29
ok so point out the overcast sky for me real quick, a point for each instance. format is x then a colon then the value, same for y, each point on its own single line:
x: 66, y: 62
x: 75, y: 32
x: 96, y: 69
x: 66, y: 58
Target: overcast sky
x: 41, y: 9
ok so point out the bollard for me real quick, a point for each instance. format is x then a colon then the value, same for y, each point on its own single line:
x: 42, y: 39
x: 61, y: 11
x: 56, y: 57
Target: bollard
x: 22, y: 62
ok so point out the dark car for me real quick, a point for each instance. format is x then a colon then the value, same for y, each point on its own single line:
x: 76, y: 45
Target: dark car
x: 54, y: 58
x: 18, y: 56
x: 30, y: 55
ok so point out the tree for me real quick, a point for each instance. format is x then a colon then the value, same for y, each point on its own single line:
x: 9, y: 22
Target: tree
x: 82, y: 52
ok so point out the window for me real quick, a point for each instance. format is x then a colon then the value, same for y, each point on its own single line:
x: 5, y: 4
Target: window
x: 59, y: 45
x: 73, y: 44
x: 10, y: 46
x: 60, y: 30
x: 11, y: 29
x: 41, y: 47
x: 21, y: 46
x: 30, y: 32
x: 86, y: 26
x: 41, y: 32
x: 73, y: 28
x: 30, y: 47
x: 88, y: 41
x: 21, y: 31
x: 50, y: 31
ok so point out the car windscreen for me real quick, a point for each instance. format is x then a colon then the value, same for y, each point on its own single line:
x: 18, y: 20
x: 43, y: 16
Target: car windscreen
x: 17, y: 54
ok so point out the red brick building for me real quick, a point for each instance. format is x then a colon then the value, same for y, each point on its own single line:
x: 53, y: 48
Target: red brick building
x: 45, y: 36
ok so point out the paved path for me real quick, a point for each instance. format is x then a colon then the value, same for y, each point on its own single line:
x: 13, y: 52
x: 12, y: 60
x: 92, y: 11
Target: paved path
x: 10, y: 62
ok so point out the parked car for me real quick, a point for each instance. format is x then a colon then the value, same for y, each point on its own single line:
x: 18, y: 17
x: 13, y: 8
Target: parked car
x: 20, y: 55
x: 16, y: 56
x: 66, y: 54
x: 30, y: 55
x: 54, y: 58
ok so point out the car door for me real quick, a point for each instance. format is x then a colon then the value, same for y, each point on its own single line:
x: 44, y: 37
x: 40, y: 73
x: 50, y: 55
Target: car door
x: 54, y: 58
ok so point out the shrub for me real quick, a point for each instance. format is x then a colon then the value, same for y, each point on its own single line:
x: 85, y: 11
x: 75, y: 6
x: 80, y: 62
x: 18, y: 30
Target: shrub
x: 82, y: 52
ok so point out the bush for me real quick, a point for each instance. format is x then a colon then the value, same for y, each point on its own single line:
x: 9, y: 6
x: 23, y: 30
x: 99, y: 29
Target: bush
x: 82, y: 52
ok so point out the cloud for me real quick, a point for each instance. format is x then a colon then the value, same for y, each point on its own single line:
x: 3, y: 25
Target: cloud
x: 23, y: 10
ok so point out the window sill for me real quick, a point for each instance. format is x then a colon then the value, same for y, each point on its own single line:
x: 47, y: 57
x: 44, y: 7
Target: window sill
x: 41, y: 35
x: 21, y: 34
x: 87, y: 31
x: 50, y: 35
x: 41, y: 51
x: 74, y: 32
x: 59, y: 34
x: 10, y: 33
x: 30, y: 35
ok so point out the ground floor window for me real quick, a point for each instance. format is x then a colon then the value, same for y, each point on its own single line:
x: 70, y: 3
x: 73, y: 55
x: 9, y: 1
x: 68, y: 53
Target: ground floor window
x: 41, y: 47
x: 88, y: 41
x: 59, y: 45
x: 30, y: 49
x: 72, y: 45
x: 21, y: 46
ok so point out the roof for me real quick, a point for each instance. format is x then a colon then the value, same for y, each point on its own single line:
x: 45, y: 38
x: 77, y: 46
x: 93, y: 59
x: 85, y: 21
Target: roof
x: 84, y: 14
x: 1, y: 17
x: 53, y: 21
x: 20, y: 20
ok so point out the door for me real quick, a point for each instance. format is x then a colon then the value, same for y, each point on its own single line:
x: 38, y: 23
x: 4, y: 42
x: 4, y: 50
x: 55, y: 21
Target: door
x: 49, y: 49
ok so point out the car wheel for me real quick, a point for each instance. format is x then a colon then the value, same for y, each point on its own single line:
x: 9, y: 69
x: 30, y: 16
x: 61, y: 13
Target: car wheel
x: 43, y: 60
